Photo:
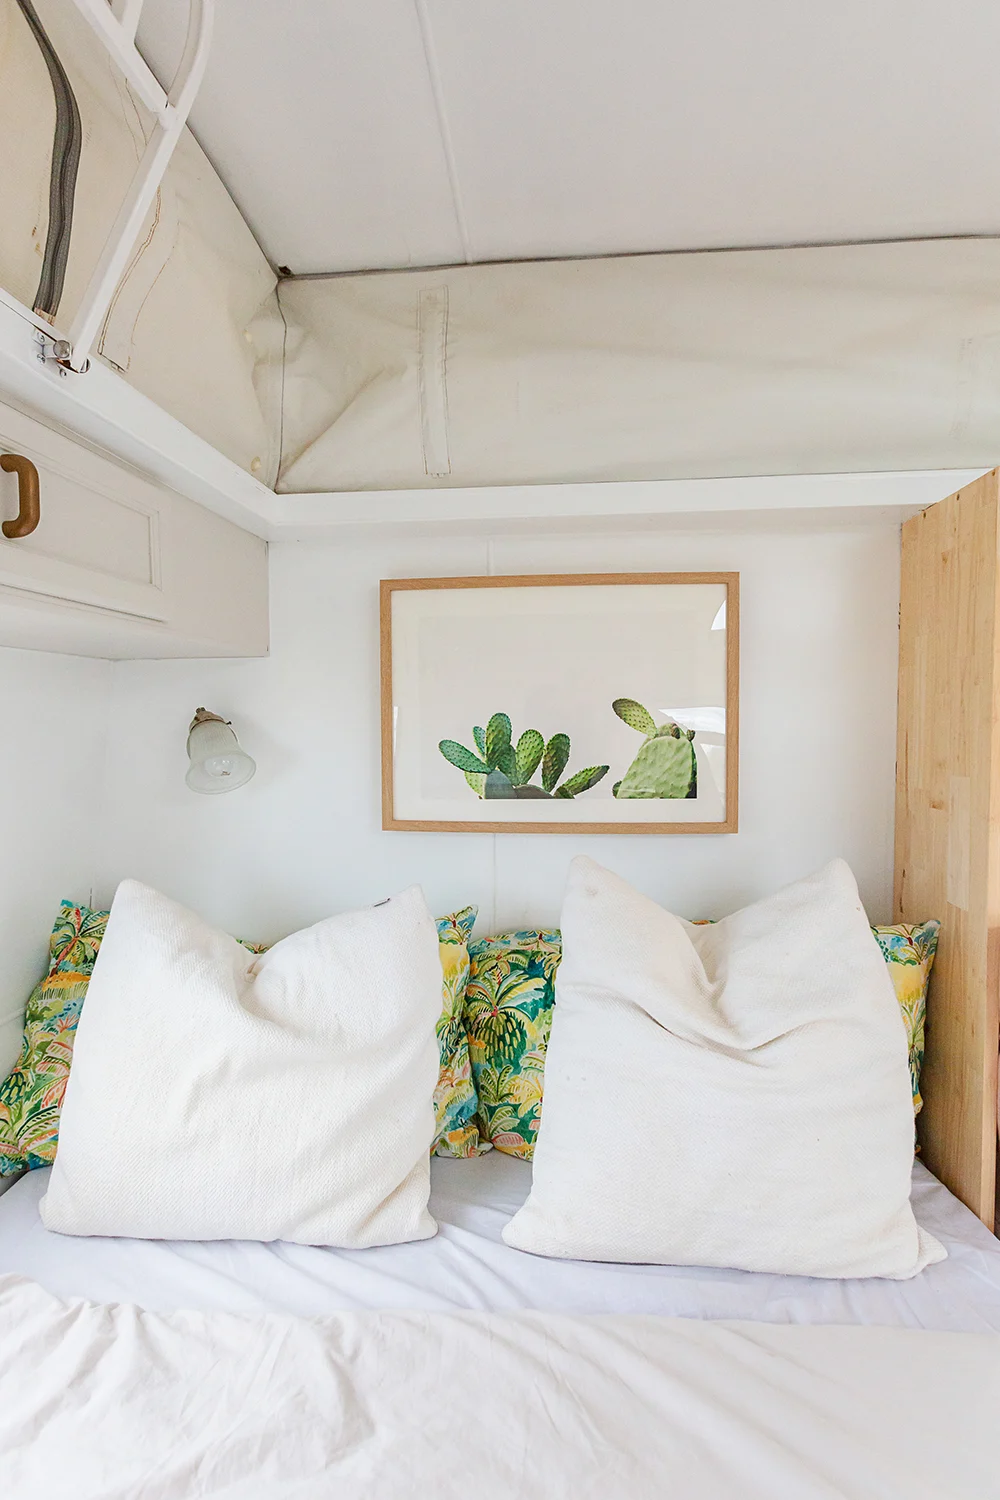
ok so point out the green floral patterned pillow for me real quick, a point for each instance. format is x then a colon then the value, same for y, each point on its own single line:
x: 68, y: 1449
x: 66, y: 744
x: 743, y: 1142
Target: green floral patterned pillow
x: 508, y: 1015
x: 31, y: 1098
x: 909, y: 953
x: 455, y: 1100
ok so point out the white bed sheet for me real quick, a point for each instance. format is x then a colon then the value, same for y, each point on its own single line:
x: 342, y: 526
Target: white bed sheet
x: 103, y: 1402
x: 466, y: 1267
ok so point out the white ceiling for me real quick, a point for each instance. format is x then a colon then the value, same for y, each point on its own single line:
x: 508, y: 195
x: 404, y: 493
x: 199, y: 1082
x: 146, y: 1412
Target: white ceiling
x: 359, y: 134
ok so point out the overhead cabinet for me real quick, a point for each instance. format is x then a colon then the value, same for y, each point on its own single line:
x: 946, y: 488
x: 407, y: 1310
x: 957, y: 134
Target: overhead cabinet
x: 97, y: 541
x: 117, y: 565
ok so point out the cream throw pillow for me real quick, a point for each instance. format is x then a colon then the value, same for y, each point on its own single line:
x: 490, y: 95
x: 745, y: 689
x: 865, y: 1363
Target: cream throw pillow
x: 218, y: 1094
x: 728, y: 1095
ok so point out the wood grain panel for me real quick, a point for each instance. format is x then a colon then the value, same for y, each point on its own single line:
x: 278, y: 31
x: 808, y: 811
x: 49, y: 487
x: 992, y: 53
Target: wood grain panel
x: 948, y: 822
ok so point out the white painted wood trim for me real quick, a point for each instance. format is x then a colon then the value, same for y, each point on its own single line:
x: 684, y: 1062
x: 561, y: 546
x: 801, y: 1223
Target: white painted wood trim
x: 812, y: 500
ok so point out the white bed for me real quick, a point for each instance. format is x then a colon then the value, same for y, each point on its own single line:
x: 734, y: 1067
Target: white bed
x: 450, y: 1366
x: 466, y: 1267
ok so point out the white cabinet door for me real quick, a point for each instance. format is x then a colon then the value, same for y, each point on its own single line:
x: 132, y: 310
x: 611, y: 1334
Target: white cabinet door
x: 98, y: 541
x: 118, y: 566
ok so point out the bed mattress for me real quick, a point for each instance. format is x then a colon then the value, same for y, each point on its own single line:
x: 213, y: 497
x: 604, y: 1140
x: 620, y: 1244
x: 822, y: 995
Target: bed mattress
x: 466, y: 1267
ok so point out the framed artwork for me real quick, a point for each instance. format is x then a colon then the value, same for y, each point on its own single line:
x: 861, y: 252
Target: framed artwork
x: 575, y: 703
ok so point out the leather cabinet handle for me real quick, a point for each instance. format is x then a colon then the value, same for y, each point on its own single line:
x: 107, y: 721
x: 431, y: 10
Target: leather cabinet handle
x: 29, y: 506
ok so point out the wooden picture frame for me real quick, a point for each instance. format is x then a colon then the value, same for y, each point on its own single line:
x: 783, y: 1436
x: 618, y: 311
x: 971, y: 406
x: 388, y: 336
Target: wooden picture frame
x: 425, y: 622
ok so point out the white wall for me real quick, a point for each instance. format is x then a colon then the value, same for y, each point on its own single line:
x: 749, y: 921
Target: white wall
x: 303, y: 839
x: 54, y: 715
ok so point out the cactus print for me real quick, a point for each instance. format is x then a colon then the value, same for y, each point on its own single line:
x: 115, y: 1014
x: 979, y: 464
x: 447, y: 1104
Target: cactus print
x: 31, y: 1097
x: 666, y: 765
x: 503, y: 769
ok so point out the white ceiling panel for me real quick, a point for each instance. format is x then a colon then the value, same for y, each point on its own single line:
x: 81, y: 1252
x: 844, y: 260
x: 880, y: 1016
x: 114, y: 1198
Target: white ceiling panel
x: 359, y: 134
x: 591, y: 126
x: 319, y: 115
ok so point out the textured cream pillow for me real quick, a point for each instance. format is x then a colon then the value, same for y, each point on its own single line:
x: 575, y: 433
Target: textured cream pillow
x: 218, y: 1094
x: 727, y: 1095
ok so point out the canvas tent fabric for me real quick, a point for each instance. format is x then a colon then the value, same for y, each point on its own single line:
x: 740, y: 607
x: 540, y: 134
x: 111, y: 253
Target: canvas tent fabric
x: 194, y: 324
x: 817, y: 360
x: 836, y: 359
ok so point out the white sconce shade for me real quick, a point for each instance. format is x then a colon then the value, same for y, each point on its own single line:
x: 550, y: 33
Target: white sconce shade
x: 217, y: 762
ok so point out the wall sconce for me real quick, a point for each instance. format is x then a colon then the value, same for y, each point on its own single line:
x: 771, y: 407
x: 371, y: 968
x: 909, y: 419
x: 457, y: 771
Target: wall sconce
x: 217, y: 762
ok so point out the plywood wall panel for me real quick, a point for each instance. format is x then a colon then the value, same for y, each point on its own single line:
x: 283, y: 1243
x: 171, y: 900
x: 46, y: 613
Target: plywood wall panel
x: 948, y: 821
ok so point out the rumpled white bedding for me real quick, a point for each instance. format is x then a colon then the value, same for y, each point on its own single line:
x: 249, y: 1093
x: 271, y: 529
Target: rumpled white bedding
x: 467, y: 1267
x: 111, y: 1403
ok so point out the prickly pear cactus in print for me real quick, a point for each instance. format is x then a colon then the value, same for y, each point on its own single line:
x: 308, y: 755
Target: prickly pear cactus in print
x: 666, y: 765
x: 503, y: 770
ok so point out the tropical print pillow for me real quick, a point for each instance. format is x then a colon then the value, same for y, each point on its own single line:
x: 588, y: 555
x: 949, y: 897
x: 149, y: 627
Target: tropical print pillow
x: 31, y: 1097
x: 909, y: 953
x: 508, y: 1016
x: 455, y: 1101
